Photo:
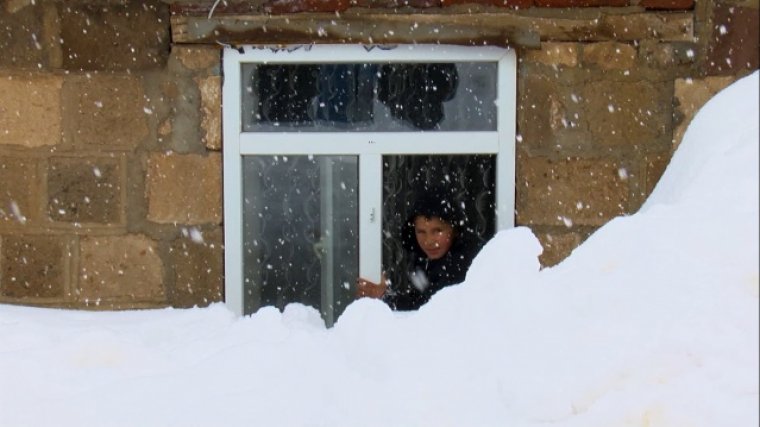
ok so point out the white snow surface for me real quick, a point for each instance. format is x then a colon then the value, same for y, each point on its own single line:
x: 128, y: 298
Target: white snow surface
x: 653, y: 321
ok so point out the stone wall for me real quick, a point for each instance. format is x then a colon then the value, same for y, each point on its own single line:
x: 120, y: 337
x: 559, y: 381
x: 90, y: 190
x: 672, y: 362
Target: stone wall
x: 110, y: 170
x: 110, y: 124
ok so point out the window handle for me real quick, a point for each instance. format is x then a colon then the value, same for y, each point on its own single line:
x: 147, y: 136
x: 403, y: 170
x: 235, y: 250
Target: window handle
x: 372, y: 215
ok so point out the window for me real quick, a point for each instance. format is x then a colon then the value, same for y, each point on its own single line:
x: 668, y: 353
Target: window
x: 325, y: 148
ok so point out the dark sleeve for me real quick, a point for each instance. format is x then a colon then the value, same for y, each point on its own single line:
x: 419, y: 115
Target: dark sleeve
x: 405, y: 299
x: 449, y: 271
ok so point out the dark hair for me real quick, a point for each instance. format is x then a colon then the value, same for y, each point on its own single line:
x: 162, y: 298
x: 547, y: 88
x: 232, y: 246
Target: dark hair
x: 434, y: 203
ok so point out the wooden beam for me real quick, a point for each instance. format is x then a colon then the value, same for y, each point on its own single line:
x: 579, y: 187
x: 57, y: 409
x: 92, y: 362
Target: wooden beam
x: 477, y: 29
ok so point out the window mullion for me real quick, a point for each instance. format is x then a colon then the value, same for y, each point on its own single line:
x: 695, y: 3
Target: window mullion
x: 233, y: 191
x: 370, y: 216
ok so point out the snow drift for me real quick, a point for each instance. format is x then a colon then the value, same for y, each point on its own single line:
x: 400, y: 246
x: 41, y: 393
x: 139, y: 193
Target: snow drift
x: 653, y: 321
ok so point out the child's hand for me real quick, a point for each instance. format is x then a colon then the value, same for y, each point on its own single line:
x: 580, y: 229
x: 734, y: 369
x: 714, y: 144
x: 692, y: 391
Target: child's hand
x: 365, y: 288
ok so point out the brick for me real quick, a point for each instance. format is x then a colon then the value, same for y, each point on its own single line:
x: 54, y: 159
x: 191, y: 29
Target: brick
x: 581, y: 3
x: 418, y: 4
x: 609, y: 55
x: 554, y: 54
x: 123, y: 268
x: 690, y: 96
x: 511, y: 4
x: 211, y: 111
x: 293, y: 6
x: 105, y: 111
x: 667, y: 4
x: 85, y: 190
x: 198, y: 268
x: 115, y: 37
x: 30, y: 112
x: 19, y: 190
x: 735, y: 41
x: 33, y: 267
x: 197, y: 58
x: 628, y: 113
x: 184, y: 188
x: 570, y: 192
x: 394, y: 4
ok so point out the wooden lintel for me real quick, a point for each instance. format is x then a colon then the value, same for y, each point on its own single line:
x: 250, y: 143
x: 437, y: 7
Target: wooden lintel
x: 500, y: 29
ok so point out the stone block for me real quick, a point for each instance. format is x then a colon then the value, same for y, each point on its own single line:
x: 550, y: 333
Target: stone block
x: 123, y: 268
x: 184, y: 95
x: 610, y: 55
x: 211, y: 111
x: 19, y: 192
x: 51, y: 31
x: 735, y: 41
x: 668, y: 55
x: 551, y: 113
x: 557, y: 246
x: 105, y: 111
x: 115, y: 37
x: 30, y: 112
x: 21, y: 45
x: 690, y: 96
x: 570, y: 192
x: 628, y: 113
x: 655, y: 167
x: 197, y: 58
x: 13, y: 6
x: 198, y: 264
x: 85, y: 190
x: 33, y: 267
x: 563, y: 54
x: 184, y: 188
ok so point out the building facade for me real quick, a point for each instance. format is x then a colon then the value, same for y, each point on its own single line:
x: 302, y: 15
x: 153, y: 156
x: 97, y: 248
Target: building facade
x: 111, y: 130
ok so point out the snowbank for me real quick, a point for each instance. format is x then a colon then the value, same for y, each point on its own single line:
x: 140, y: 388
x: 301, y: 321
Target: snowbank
x: 653, y: 321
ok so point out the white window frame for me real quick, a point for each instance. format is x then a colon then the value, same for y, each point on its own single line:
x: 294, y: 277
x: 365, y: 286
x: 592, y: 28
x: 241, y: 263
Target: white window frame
x: 369, y: 146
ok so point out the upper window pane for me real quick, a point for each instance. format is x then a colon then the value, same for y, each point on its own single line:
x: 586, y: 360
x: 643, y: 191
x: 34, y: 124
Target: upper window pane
x: 372, y: 97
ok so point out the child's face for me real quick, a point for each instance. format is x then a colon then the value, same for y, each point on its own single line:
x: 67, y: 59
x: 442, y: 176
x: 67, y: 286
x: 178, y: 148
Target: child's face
x: 434, y: 236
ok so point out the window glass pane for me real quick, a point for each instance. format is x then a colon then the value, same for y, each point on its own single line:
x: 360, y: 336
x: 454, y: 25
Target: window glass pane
x: 369, y: 97
x: 467, y: 181
x: 300, y: 232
